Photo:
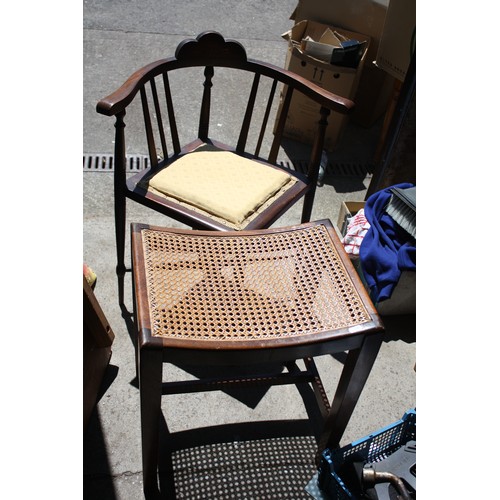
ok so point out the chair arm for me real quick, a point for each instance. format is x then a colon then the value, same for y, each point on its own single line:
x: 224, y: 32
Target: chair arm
x: 326, y: 98
x: 123, y: 96
x: 320, y: 95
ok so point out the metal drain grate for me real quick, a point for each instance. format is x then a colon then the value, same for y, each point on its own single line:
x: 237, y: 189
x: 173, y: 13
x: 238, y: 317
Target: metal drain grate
x: 104, y: 163
x: 342, y: 169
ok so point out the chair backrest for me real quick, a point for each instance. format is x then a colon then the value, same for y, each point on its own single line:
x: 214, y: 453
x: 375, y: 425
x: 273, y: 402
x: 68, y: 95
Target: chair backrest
x: 262, y: 99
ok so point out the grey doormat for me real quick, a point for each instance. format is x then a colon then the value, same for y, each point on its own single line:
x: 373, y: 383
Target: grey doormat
x: 278, y: 468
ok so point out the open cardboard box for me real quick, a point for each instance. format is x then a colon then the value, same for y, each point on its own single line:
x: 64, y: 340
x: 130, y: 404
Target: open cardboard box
x: 334, y: 48
x: 376, y: 86
x: 347, y: 209
x: 304, y: 39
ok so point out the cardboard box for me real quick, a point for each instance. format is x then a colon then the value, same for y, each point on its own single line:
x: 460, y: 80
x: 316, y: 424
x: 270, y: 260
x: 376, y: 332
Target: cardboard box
x: 397, y: 44
x: 363, y: 16
x: 348, y: 209
x: 403, y: 299
x: 309, y: 37
x: 373, y: 97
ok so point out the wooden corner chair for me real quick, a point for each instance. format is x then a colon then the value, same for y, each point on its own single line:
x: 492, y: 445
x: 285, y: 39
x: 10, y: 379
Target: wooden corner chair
x: 209, y: 183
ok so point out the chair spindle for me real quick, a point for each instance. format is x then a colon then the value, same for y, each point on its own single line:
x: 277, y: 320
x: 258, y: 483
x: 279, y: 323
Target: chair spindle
x: 248, y: 115
x: 273, y: 154
x: 149, y: 129
x: 171, y: 115
x: 266, y: 117
x: 159, y: 118
x: 205, y: 104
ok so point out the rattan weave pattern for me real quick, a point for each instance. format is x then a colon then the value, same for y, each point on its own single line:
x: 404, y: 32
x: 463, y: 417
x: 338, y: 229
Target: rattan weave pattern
x: 247, y: 287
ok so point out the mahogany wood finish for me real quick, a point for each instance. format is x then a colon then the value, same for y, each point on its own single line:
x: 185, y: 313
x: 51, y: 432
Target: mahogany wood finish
x: 276, y: 295
x: 155, y: 87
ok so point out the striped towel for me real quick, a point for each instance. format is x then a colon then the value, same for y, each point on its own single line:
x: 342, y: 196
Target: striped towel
x: 356, y: 230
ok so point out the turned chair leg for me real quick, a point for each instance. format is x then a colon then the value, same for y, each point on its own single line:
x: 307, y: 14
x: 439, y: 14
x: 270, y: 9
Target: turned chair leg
x: 307, y: 207
x: 120, y: 200
x: 120, y: 245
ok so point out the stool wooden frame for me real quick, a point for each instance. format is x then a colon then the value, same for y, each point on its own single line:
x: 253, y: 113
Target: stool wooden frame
x: 294, y: 293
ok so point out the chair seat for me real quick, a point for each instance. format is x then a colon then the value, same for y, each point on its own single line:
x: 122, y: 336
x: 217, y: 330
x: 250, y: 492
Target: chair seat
x: 209, y: 290
x: 221, y: 183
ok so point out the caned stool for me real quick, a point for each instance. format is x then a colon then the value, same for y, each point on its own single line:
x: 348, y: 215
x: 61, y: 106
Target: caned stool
x: 243, y: 298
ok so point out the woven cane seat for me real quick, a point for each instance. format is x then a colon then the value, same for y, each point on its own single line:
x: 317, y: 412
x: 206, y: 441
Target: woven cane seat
x: 252, y: 290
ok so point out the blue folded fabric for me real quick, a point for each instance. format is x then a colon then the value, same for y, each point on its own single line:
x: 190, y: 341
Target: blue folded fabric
x: 386, y: 250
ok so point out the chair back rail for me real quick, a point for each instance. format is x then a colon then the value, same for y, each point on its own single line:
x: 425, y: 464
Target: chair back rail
x: 211, y: 51
x: 122, y: 97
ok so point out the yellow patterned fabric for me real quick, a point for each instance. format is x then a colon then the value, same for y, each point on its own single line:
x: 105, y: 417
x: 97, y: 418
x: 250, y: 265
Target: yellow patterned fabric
x: 220, y: 182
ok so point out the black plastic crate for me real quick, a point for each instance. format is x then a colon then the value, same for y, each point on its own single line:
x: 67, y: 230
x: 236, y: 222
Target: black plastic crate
x: 336, y: 478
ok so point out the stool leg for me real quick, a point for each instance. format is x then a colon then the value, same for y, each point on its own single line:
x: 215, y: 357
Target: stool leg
x: 150, y: 381
x: 356, y: 370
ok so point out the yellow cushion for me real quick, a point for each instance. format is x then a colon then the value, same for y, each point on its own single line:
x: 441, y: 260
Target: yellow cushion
x: 220, y: 182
